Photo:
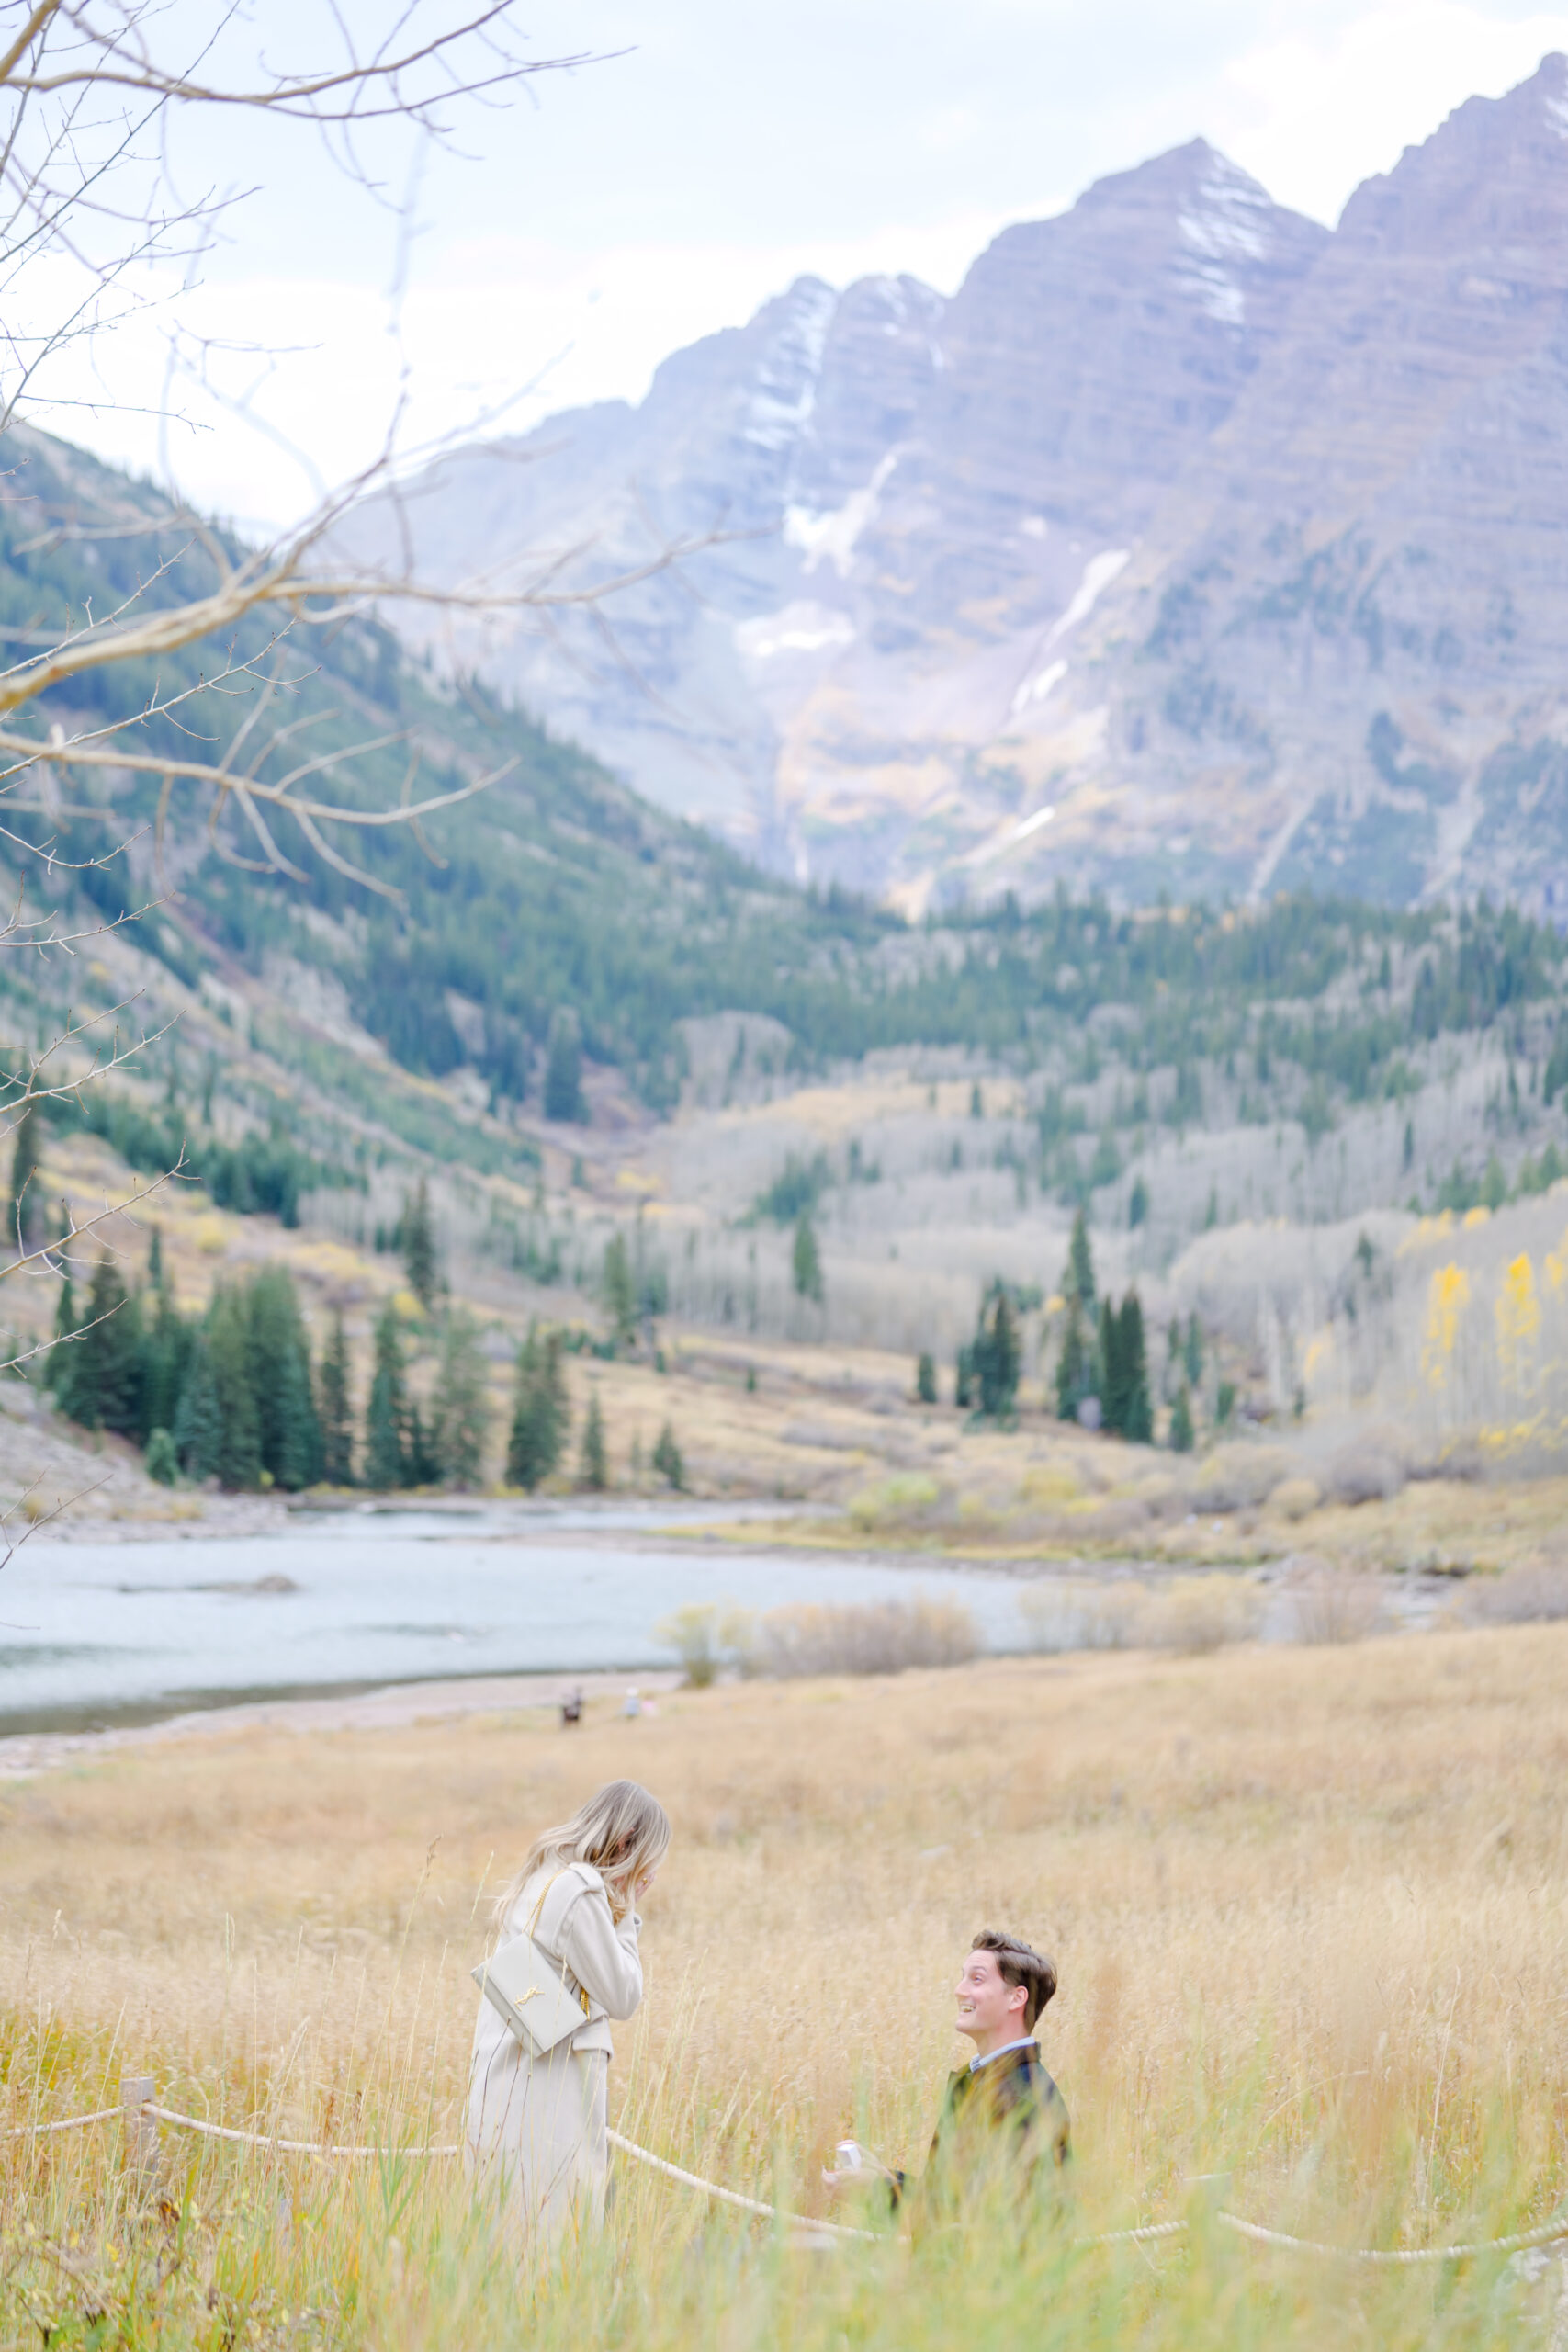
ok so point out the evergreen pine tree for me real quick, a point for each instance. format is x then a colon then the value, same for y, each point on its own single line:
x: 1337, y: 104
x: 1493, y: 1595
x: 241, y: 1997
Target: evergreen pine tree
x: 239, y: 1463
x: 423, y: 1467
x: 556, y: 1396
x: 563, y: 1071
x: 522, y: 1465
x: 279, y: 1363
x: 997, y: 1354
x: 103, y: 1391
x: 1138, y: 1421
x: 23, y: 1208
x: 807, y: 1266
x: 1192, y: 1350
x: 1181, y: 1421
x: 620, y: 1295
x: 57, y: 1362
x: 333, y: 1410
x: 534, y: 1444
x: 165, y: 1357
x: 162, y: 1463
x: 963, y: 1377
x: 418, y: 1243
x: 667, y: 1458
x: 925, y: 1380
x: 387, y: 1413
x: 198, y: 1420
x: 1075, y: 1366
x: 462, y: 1404
x: 1078, y: 1282
x: 156, y: 1259
x: 299, y: 1457
x: 1113, y: 1379
x: 595, y: 1467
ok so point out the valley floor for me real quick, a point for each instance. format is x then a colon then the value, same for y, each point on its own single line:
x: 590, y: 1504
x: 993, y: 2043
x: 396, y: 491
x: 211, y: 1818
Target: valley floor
x: 1306, y: 1907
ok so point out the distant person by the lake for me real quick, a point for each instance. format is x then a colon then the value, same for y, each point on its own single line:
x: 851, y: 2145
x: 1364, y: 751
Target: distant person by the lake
x: 535, y: 2127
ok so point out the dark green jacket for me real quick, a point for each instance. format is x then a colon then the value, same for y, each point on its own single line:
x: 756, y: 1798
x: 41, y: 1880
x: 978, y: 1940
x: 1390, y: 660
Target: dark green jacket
x: 1009, y: 2111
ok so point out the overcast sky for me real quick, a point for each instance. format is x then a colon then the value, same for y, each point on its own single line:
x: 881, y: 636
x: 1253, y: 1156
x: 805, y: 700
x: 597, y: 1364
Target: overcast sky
x: 633, y: 204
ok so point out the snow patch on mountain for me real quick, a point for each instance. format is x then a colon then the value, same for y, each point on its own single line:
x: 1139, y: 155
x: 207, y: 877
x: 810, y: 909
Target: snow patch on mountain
x: 832, y: 532
x: 799, y: 627
x: 1098, y: 574
x: 1037, y: 688
x: 1227, y: 223
x: 785, y: 392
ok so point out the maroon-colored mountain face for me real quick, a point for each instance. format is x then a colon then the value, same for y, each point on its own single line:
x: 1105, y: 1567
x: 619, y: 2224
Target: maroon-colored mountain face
x: 1186, y: 546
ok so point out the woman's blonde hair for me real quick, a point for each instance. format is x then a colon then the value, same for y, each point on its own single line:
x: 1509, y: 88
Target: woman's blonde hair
x: 622, y: 1831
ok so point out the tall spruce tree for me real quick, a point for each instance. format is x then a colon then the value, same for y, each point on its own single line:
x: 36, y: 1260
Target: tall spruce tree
x: 24, y: 1207
x: 1181, y: 1421
x: 595, y: 1470
x: 418, y: 1236
x: 165, y: 1360
x: 540, y: 1411
x: 387, y: 1451
x: 1113, y: 1379
x: 423, y: 1465
x: 296, y: 1462
x: 461, y: 1402
x: 620, y: 1292
x: 1138, y: 1420
x: 57, y: 1362
x: 1077, y: 1280
x: 1077, y: 1374
x: 1192, y: 1350
x: 102, y: 1387
x: 563, y: 1069
x: 198, y: 1418
x: 239, y: 1461
x: 997, y: 1353
x: 805, y: 1264
x: 668, y: 1460
x: 288, y: 1436
x: 334, y: 1412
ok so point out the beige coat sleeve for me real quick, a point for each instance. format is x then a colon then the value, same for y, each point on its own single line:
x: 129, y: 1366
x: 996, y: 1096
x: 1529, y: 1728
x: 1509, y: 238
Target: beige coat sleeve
x: 601, y: 1956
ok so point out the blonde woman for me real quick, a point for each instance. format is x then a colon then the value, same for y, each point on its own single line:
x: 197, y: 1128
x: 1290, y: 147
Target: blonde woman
x: 535, y: 2127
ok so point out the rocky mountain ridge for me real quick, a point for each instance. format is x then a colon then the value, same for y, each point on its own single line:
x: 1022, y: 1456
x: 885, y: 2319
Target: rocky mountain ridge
x: 1190, y: 545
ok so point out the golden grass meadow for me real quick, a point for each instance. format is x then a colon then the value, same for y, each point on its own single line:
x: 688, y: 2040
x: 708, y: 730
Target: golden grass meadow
x: 1310, y: 1909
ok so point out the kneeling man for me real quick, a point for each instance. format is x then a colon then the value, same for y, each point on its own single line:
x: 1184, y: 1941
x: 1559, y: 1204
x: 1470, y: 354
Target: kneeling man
x: 1002, y: 2116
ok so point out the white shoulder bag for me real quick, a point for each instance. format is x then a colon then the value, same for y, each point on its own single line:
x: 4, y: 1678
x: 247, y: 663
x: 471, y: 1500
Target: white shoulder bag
x: 531, y: 1992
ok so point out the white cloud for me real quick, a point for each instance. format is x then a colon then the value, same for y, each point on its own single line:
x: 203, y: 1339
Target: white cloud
x: 1312, y: 110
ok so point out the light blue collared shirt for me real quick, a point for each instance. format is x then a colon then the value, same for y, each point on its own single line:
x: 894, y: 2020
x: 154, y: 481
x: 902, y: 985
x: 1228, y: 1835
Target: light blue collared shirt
x: 1025, y: 2041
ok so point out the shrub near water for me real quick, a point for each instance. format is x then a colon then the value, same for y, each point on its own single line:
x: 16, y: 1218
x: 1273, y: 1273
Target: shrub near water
x: 878, y: 1638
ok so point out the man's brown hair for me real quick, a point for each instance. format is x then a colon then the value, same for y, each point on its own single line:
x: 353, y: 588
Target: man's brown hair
x: 1020, y: 1963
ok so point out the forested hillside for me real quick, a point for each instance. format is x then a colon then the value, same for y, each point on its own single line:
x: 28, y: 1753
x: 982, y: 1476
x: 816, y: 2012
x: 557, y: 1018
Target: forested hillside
x: 555, y: 892
x: 555, y: 916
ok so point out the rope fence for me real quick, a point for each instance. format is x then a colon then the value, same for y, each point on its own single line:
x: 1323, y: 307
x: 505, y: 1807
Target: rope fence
x: 138, y: 2112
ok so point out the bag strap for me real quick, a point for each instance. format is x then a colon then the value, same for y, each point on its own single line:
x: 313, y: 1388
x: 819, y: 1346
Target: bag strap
x: 538, y: 1909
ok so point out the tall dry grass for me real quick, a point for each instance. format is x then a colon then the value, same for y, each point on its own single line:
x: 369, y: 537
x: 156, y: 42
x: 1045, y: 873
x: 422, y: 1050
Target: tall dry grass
x: 1307, y: 1908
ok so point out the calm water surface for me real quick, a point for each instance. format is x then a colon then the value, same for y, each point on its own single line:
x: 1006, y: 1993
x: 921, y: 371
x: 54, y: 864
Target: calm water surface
x: 92, y: 1631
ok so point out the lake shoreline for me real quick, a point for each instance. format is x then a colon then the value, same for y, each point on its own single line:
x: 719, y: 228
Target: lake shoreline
x: 379, y: 1706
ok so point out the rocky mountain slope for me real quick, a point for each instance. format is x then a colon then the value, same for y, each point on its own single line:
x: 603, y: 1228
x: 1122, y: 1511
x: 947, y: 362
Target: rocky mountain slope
x: 1188, y: 545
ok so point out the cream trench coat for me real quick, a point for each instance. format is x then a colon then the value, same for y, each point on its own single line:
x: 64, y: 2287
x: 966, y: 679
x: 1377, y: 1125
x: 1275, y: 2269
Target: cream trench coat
x: 535, y: 2127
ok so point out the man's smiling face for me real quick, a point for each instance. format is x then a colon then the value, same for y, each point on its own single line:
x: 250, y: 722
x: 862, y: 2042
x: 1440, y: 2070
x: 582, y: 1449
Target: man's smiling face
x: 991, y: 2010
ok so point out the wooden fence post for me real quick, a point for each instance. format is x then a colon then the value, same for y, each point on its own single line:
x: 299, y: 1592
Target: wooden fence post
x: 141, y: 2143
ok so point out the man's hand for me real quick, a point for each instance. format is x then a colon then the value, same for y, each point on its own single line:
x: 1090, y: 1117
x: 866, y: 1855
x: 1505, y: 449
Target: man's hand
x: 857, y: 2170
